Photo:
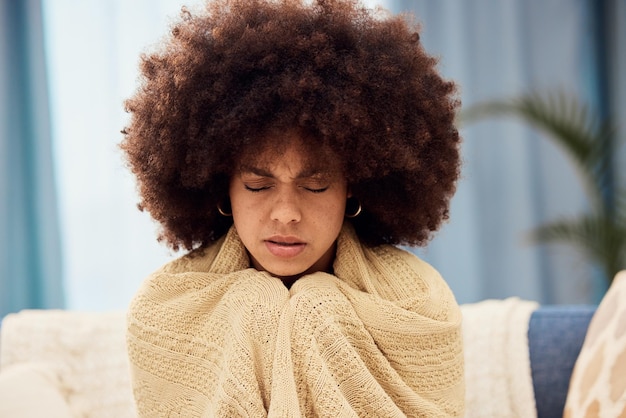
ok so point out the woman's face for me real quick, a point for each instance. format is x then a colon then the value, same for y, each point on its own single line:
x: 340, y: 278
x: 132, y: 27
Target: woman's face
x: 288, y: 212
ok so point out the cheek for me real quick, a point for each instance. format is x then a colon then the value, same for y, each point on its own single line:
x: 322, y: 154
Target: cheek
x: 341, y: 199
x: 244, y: 212
x: 334, y: 209
x: 239, y: 201
x: 240, y: 211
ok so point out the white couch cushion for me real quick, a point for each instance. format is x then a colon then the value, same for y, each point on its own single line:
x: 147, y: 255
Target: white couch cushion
x: 32, y: 391
x: 87, y: 351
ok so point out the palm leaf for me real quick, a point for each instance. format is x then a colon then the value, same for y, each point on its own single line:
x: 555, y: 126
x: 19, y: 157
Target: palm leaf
x: 586, y: 139
x: 574, y: 127
x: 602, y: 239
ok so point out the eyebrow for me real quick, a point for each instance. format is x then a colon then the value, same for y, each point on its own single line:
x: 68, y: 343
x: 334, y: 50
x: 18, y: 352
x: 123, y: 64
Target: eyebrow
x: 306, y: 173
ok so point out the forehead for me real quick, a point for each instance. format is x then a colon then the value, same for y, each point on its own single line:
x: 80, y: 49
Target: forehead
x: 302, y: 154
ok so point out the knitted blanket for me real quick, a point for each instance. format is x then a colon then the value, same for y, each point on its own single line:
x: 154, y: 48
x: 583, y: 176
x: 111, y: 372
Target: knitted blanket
x: 209, y: 336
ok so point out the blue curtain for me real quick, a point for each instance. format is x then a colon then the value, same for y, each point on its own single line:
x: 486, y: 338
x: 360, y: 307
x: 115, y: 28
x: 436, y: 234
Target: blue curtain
x: 514, y: 179
x: 30, y: 262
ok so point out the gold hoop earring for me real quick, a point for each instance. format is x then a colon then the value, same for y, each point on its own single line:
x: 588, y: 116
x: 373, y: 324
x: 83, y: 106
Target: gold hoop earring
x: 357, y: 211
x: 222, y: 212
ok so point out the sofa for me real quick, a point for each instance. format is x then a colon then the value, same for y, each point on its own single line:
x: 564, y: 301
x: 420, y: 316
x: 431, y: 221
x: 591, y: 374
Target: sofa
x: 519, y: 360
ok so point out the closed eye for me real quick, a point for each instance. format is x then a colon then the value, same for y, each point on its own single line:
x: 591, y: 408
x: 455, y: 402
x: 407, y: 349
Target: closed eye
x: 316, y: 190
x: 256, y: 189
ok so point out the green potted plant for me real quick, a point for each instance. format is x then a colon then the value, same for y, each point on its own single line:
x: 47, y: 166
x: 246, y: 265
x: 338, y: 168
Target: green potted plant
x: 590, y: 142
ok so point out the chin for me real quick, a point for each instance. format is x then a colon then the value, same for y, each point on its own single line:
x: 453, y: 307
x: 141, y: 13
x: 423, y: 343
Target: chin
x: 287, y: 273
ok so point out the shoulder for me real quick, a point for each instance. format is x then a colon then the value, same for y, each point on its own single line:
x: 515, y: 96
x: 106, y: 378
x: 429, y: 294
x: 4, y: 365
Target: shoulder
x: 197, y: 260
x: 180, y: 276
x: 409, y: 270
x: 404, y: 259
x: 418, y: 283
x: 388, y: 271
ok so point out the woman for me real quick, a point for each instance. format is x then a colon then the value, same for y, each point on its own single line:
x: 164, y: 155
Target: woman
x: 288, y: 146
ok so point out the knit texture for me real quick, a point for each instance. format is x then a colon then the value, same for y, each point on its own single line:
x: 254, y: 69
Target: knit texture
x: 209, y: 336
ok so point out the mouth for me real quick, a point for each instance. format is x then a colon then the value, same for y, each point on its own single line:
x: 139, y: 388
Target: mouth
x: 284, y: 247
x: 286, y: 244
x: 285, y: 240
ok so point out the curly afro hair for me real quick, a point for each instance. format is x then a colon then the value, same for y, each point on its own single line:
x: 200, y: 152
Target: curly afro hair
x: 347, y: 77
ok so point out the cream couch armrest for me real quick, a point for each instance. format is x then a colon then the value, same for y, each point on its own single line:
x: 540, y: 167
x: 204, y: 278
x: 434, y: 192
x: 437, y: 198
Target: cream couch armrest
x: 86, y: 350
x: 32, y: 390
x: 497, y: 362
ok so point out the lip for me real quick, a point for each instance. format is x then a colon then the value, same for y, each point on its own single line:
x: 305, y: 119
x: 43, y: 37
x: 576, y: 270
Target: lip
x: 284, y: 246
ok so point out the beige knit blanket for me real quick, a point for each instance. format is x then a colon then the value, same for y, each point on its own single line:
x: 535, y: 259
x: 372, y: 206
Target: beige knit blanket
x: 209, y: 336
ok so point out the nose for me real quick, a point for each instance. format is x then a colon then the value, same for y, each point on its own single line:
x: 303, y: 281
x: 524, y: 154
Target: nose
x: 286, y: 208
